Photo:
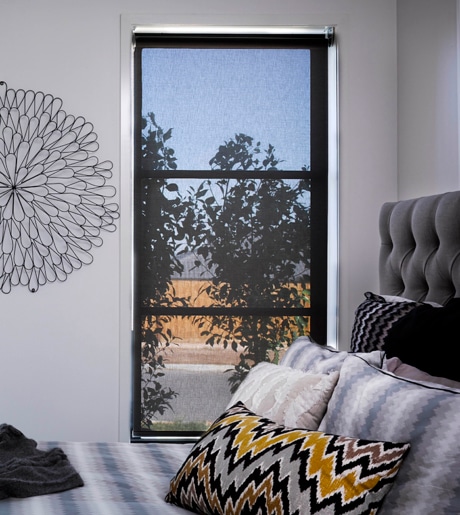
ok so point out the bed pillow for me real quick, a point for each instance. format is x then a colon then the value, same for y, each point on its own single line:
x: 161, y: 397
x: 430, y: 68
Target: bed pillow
x: 374, y: 317
x: 287, y: 396
x: 248, y: 464
x: 303, y: 354
x: 373, y: 404
x: 426, y: 338
x: 398, y: 368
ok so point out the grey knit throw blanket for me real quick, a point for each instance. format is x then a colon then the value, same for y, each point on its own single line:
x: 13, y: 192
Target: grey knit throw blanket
x: 26, y: 471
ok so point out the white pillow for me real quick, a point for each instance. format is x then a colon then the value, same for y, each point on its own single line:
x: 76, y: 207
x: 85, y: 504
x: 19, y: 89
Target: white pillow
x: 287, y: 396
x: 395, y: 298
x: 398, y: 368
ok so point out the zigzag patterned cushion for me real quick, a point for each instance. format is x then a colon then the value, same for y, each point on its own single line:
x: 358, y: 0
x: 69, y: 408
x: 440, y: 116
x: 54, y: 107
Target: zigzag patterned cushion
x: 370, y: 403
x: 246, y: 464
x: 311, y: 357
x: 374, y: 317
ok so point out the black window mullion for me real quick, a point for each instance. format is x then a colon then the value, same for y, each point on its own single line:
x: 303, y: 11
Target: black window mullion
x: 228, y: 311
x: 224, y: 174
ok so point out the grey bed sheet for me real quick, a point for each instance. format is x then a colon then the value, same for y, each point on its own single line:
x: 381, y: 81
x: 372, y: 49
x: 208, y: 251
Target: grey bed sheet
x: 120, y: 479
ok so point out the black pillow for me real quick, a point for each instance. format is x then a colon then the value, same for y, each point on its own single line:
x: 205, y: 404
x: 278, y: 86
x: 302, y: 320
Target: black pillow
x: 373, y: 319
x: 427, y: 338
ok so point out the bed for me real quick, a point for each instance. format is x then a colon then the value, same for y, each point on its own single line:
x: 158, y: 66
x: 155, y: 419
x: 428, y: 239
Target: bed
x: 325, y: 431
x: 119, y: 479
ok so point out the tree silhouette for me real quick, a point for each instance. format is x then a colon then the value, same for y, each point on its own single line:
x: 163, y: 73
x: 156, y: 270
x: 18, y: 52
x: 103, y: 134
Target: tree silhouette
x: 249, y: 237
x: 244, y: 233
x: 161, y: 222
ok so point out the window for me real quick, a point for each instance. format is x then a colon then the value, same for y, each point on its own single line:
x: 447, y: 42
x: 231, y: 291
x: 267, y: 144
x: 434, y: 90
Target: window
x: 231, y: 205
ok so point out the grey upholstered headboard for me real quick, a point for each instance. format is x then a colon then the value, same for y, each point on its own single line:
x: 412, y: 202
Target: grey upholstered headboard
x: 420, y: 248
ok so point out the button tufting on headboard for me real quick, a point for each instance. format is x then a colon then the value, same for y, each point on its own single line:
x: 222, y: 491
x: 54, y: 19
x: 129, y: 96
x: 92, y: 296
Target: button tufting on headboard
x: 420, y: 248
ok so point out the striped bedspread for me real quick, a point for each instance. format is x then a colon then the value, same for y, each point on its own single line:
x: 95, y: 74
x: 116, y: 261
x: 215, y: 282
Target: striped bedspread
x: 120, y: 479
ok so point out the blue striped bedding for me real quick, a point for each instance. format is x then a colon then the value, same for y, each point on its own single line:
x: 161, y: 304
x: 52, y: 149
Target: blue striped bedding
x: 119, y: 479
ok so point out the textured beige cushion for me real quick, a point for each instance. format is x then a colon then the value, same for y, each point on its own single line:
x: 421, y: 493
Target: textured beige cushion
x: 287, y: 396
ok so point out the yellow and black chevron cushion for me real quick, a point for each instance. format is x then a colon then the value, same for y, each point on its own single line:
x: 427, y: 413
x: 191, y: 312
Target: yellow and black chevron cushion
x: 246, y: 464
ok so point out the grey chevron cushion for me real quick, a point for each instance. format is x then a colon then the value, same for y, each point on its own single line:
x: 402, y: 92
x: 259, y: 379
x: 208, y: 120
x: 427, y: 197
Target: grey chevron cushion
x: 314, y: 358
x: 369, y: 403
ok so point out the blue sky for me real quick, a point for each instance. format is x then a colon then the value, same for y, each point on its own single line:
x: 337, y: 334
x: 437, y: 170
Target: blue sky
x: 208, y: 95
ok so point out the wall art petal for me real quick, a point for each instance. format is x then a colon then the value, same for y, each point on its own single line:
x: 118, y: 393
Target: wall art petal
x: 54, y: 192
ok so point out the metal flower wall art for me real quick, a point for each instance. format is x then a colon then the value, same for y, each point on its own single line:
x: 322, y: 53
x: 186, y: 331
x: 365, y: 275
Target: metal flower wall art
x: 53, y: 191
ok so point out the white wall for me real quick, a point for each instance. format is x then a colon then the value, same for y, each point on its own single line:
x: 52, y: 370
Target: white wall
x: 427, y: 97
x: 65, y: 360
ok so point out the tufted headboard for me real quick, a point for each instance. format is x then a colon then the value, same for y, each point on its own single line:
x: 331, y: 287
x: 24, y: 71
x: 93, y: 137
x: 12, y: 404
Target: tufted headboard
x: 420, y: 248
